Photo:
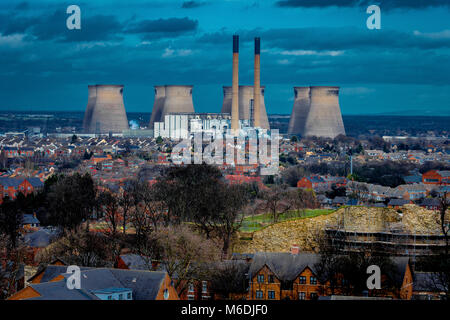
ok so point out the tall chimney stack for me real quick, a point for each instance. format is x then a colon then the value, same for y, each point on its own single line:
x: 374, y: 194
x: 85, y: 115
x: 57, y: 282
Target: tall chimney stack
x: 257, y: 87
x: 235, y: 86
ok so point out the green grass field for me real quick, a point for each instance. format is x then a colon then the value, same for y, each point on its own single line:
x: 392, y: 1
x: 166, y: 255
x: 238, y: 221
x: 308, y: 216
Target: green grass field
x: 257, y: 222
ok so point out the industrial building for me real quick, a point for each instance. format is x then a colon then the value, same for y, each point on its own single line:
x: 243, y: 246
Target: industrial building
x: 181, y: 125
x: 246, y: 105
x: 244, y: 102
x: 316, y: 112
x: 105, y: 112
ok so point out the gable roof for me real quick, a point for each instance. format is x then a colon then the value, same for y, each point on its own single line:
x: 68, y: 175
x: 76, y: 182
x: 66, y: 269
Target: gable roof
x: 144, y: 284
x: 135, y: 261
x: 284, y: 265
x: 50, y: 272
x: 30, y: 219
x: 427, y: 281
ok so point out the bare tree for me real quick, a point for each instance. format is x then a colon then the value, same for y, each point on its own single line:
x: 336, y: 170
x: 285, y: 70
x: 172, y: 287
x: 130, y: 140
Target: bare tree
x: 80, y: 248
x: 229, y: 219
x: 109, y: 205
x: 126, y: 201
x: 184, y: 254
x: 275, y: 201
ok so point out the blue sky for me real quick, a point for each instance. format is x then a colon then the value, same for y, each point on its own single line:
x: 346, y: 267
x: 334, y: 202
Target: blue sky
x: 404, y: 68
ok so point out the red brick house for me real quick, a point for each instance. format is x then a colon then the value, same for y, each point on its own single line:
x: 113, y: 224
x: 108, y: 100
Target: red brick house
x: 10, y: 187
x: 436, y: 177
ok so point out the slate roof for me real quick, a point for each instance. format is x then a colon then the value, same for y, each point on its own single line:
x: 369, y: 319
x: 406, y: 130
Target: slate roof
x: 285, y: 265
x: 444, y: 173
x: 39, y: 239
x: 398, y: 202
x: 426, y: 281
x: 135, y: 261
x: 51, y: 272
x: 144, y: 284
x: 10, y: 182
x: 35, y: 182
x: 429, y: 202
x: 30, y: 219
x: 400, y: 264
x: 413, y: 179
x: 15, y: 182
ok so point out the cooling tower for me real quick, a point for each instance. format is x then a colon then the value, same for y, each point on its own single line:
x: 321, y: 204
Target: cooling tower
x: 92, y: 93
x: 178, y: 99
x: 316, y: 112
x: 108, y: 111
x: 245, y: 100
x: 160, y: 94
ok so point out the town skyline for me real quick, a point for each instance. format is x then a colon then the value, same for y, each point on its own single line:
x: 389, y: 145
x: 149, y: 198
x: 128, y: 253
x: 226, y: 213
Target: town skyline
x: 400, y: 69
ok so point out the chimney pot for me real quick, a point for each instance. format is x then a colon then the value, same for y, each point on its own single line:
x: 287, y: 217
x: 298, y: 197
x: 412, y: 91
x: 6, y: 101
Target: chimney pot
x: 235, y: 44
x: 257, y: 45
x: 295, y: 249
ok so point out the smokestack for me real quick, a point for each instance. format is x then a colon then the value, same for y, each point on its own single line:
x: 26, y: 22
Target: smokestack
x: 257, y: 89
x: 235, y: 86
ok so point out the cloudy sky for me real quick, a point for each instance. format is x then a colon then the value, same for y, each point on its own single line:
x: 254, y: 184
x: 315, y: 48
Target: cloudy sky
x: 404, y: 68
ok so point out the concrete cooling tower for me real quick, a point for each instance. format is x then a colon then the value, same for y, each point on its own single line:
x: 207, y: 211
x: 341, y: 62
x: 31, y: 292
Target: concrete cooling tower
x: 316, y: 112
x: 106, y: 112
x: 160, y: 94
x: 178, y: 99
x: 245, y: 101
x: 92, y: 93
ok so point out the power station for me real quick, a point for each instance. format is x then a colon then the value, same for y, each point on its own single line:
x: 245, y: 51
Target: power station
x: 105, y: 112
x: 316, y: 112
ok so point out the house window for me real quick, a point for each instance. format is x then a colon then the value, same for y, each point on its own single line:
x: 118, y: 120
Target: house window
x: 302, y: 279
x: 260, y: 278
x: 190, y: 297
x: 191, y: 287
x: 120, y: 296
x: 313, y: 295
x: 129, y: 295
x: 259, y: 294
x: 109, y: 297
x: 312, y: 280
x: 271, y: 294
x: 204, y: 286
x: 302, y: 296
x: 271, y: 279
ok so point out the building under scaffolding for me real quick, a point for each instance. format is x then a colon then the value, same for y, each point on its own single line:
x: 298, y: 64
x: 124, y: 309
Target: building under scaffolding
x: 393, y: 240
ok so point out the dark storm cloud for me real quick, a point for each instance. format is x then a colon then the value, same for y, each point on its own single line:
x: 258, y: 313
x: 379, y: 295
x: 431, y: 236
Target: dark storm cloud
x: 171, y: 27
x: 192, y: 4
x: 330, y: 39
x: 385, y: 4
x: 22, y: 6
x: 93, y: 28
x: 52, y: 26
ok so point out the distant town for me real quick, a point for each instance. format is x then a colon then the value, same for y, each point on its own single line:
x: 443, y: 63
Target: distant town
x: 377, y: 193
